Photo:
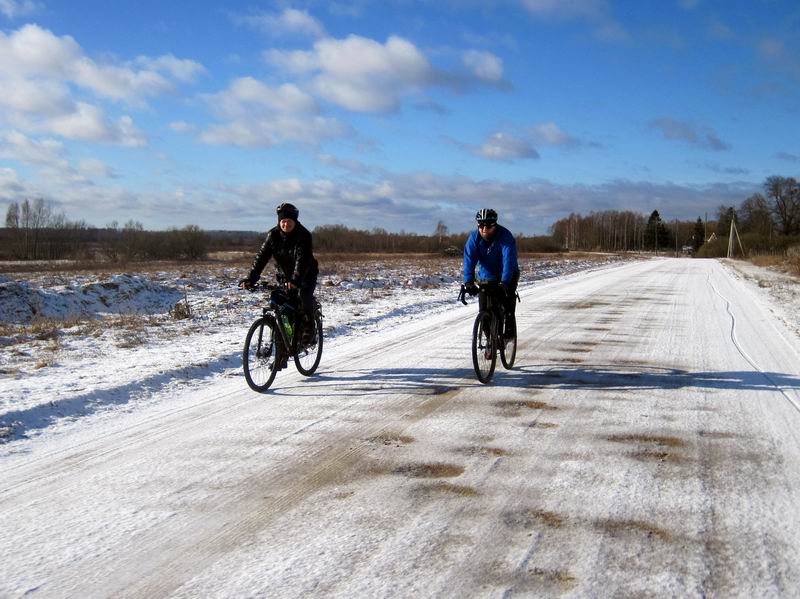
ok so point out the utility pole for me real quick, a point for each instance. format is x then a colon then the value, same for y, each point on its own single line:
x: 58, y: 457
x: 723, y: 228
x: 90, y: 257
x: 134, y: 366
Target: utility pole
x: 731, y: 247
x: 676, y: 237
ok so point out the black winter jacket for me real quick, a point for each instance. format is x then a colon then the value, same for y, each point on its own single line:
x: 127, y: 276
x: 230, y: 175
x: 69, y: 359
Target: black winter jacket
x: 293, y: 254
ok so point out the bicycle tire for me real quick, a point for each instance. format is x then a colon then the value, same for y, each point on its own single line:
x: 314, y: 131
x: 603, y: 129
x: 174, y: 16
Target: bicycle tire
x: 484, y: 353
x: 508, y: 352
x: 307, y: 358
x: 259, y: 358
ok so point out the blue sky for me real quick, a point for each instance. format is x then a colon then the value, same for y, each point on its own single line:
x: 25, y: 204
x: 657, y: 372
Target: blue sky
x: 395, y: 114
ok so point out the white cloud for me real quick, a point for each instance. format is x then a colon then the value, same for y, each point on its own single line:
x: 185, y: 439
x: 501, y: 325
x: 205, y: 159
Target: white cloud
x: 521, y: 144
x: 182, y: 69
x: 118, y: 82
x: 506, y: 147
x: 701, y: 136
x: 257, y: 114
x: 10, y: 186
x: 551, y: 134
x: 566, y: 10
x: 19, y: 147
x: 361, y: 74
x: 181, y: 126
x: 266, y: 132
x: 18, y: 8
x: 94, y: 168
x: 596, y: 12
x: 48, y: 156
x: 484, y: 65
x: 89, y: 123
x: 46, y: 98
x: 405, y: 200
x: 246, y: 96
x: 39, y: 73
x: 289, y: 22
x: 33, y: 52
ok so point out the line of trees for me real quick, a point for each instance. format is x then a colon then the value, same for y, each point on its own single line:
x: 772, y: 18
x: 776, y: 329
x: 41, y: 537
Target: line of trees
x: 339, y: 238
x: 34, y: 232
x: 620, y: 231
x: 767, y: 222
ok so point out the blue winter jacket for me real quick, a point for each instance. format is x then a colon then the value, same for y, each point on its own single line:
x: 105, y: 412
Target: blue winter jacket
x: 498, y: 259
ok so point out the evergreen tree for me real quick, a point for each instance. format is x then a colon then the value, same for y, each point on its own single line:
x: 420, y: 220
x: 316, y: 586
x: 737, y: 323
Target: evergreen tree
x: 725, y: 215
x: 698, y: 239
x: 656, y: 235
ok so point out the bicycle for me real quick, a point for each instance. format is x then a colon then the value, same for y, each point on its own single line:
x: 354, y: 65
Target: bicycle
x: 487, y: 333
x: 273, y: 338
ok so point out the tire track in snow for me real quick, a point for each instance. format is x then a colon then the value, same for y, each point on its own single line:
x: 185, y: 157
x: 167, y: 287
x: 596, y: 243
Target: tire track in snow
x: 742, y: 351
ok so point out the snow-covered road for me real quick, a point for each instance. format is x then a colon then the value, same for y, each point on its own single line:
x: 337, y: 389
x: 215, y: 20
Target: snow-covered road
x: 647, y: 442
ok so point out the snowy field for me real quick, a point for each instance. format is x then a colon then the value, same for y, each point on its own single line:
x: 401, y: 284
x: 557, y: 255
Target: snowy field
x: 91, y: 345
x: 645, y: 443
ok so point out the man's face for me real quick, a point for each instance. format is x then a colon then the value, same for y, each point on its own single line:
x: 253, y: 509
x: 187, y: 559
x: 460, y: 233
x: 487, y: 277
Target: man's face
x: 286, y: 225
x: 487, y: 231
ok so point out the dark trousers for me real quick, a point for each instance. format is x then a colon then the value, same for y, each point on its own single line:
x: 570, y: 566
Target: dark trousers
x: 306, y: 293
x: 509, y: 302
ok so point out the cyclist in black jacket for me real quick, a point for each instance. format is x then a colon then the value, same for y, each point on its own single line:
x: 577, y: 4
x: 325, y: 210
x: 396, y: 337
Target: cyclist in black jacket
x: 290, y: 244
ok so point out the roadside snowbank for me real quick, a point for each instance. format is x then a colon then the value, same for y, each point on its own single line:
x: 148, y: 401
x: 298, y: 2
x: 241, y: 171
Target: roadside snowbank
x: 24, y: 302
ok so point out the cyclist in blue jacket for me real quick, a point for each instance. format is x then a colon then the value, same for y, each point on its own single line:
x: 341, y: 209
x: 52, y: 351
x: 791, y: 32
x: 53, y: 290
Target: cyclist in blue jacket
x: 494, y: 249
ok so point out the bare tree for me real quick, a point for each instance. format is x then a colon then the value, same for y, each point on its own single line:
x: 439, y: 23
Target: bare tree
x: 756, y: 216
x: 441, y: 231
x: 785, y: 195
x: 12, y: 216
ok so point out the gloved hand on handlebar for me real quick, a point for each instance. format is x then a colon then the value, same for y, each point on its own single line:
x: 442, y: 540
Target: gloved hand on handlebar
x: 503, y: 290
x: 471, y: 288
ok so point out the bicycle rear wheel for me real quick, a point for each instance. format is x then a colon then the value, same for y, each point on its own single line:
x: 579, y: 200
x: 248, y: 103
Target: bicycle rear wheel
x: 484, y: 354
x: 508, y: 351
x: 259, y: 359
x: 307, y: 355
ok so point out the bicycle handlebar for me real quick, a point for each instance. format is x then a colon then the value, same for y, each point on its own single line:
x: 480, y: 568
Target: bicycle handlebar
x: 264, y: 286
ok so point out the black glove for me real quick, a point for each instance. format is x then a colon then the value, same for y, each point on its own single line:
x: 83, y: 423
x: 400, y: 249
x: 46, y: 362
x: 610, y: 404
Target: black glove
x: 471, y: 288
x: 503, y: 290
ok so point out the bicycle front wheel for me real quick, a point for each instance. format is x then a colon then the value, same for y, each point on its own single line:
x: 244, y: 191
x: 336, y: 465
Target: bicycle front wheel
x: 508, y: 351
x: 484, y: 355
x: 308, y: 348
x: 259, y: 358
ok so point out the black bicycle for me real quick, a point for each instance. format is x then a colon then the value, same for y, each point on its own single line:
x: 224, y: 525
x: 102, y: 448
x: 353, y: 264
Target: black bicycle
x: 277, y: 335
x: 487, y: 333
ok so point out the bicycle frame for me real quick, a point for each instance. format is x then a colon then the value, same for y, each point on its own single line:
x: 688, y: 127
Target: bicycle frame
x: 487, y: 333
x: 494, y: 308
x: 274, y: 312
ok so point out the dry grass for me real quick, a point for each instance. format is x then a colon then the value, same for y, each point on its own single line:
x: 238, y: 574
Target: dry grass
x: 789, y: 264
x: 766, y: 261
x: 49, y: 354
x: 793, y: 264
